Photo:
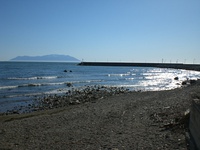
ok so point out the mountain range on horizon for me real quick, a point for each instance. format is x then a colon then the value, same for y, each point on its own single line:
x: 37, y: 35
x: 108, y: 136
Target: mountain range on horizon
x: 51, y: 57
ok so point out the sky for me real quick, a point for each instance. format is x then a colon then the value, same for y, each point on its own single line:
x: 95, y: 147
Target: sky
x: 102, y: 30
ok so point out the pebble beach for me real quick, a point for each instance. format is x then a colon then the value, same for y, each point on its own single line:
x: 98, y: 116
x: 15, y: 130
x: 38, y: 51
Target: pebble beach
x: 105, y: 119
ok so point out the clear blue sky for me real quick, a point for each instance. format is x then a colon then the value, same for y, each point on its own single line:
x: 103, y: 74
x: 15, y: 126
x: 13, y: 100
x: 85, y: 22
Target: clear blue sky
x: 102, y: 30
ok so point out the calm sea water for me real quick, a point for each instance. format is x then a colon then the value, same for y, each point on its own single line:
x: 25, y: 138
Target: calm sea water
x: 22, y: 82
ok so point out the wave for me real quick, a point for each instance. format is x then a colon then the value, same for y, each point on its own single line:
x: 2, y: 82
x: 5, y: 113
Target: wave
x: 56, y: 91
x: 59, y: 83
x: 46, y: 84
x: 129, y: 78
x: 7, y: 87
x: 31, y: 84
x: 40, y: 84
x: 121, y: 75
x: 21, y: 95
x: 34, y: 78
x: 86, y: 81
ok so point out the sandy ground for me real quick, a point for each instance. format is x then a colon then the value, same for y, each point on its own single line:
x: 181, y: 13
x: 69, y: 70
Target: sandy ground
x: 133, y: 120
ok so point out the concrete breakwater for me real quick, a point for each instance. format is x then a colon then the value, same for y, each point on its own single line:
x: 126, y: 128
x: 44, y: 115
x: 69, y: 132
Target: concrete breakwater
x: 159, y: 65
x: 195, y: 124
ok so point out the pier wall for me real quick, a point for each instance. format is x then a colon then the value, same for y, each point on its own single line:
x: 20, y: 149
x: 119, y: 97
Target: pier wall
x: 194, y: 125
x: 159, y: 65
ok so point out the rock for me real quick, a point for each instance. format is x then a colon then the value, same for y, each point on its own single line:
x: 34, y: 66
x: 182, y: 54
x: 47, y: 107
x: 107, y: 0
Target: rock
x: 15, y: 112
x: 74, y: 96
x: 72, y: 103
x: 67, y: 71
x: 69, y: 84
x: 196, y: 100
x: 167, y: 107
x: 184, y: 83
x: 187, y: 112
x: 77, y: 101
x: 193, y: 81
x: 176, y: 78
x: 2, y: 131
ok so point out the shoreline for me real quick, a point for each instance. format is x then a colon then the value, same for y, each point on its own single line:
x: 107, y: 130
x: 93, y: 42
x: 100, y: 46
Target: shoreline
x: 74, y: 96
x: 130, y: 120
x: 77, y: 96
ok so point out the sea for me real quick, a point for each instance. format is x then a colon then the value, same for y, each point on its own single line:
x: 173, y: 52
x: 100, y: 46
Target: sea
x: 23, y: 82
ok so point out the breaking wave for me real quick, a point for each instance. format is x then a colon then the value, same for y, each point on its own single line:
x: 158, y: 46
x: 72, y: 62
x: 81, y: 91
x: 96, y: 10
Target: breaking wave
x: 47, y: 84
x: 34, y: 78
x: 7, y: 87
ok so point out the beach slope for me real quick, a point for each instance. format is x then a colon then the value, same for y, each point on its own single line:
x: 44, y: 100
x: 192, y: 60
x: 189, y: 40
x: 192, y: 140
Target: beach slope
x: 133, y: 120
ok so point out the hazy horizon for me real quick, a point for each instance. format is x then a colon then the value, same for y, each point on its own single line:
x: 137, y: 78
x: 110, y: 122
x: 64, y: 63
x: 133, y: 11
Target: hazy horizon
x: 107, y: 30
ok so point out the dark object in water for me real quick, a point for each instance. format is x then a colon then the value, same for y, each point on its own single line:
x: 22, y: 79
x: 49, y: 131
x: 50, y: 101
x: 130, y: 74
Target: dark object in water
x: 176, y: 78
x: 69, y: 84
x: 67, y: 71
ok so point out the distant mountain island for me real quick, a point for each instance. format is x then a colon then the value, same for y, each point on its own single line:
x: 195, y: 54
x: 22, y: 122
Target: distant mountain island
x: 52, y: 57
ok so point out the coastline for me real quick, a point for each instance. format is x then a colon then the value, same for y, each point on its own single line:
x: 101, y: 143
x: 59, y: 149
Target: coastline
x: 130, y: 120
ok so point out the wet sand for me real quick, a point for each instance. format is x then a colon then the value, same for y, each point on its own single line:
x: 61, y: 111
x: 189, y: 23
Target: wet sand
x: 130, y: 120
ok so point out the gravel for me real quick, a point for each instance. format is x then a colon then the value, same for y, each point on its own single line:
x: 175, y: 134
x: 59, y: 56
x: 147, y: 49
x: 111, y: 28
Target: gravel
x: 107, y: 119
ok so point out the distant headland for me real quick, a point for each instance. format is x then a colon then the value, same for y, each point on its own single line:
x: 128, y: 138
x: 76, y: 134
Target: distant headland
x: 52, y: 57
